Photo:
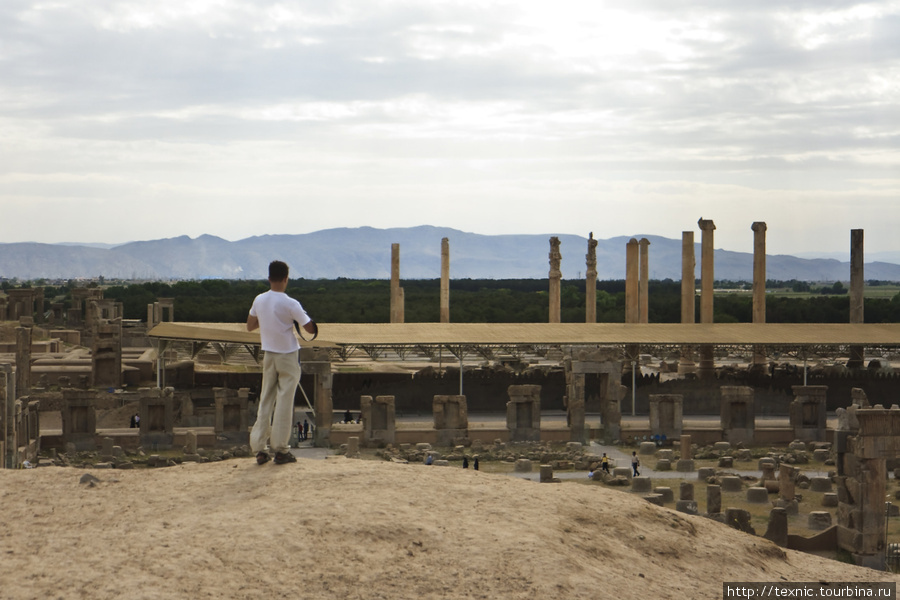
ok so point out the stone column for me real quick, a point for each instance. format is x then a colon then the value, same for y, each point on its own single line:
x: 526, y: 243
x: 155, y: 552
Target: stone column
x: 686, y: 463
x: 644, y: 286
x: 523, y: 413
x: 23, y: 361
x: 315, y: 361
x: 857, y: 284
x: 632, y: 284
x: 632, y: 301
x: 590, y: 282
x: 688, y: 285
x: 759, y: 287
x: 445, y: 280
x: 738, y: 414
x: 555, y: 281
x: 707, y: 280
x: 396, y: 290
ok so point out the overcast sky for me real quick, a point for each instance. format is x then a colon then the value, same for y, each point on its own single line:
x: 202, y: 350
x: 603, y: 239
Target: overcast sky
x: 136, y: 119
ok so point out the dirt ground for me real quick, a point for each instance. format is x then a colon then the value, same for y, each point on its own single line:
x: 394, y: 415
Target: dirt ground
x: 344, y: 528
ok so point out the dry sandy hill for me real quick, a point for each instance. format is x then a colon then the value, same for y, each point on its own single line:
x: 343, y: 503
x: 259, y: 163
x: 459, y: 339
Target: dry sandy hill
x: 342, y: 528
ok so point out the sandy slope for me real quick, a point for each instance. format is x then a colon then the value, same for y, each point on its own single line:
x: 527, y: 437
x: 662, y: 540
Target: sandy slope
x: 342, y: 528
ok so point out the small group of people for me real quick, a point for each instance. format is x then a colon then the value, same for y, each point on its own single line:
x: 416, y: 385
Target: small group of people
x: 135, y: 421
x: 348, y: 417
x: 303, y: 430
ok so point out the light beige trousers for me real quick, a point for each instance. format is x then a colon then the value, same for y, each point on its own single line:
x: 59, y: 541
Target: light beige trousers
x: 275, y: 415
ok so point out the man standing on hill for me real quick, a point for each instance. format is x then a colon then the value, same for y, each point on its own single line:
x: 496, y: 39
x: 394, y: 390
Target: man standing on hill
x: 274, y: 313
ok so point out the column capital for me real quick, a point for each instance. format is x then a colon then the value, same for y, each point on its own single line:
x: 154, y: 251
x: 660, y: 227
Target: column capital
x: 706, y: 224
x: 758, y: 226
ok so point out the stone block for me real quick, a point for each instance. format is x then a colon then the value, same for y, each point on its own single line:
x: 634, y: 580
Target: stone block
x: 684, y: 465
x: 686, y: 491
x: 663, y: 465
x: 641, y: 484
x: 665, y: 454
x: 654, y: 499
x: 773, y: 486
x: 764, y: 462
x: 686, y: 506
x: 744, y: 455
x: 739, y: 519
x: 821, y: 455
x: 647, y: 448
x: 705, y: 473
x: 820, y: 484
x: 546, y: 474
x: 622, y: 472
x: 757, y: 495
x: 666, y: 493
x: 726, y: 462
x: 830, y: 499
x: 819, y: 520
x: 722, y: 446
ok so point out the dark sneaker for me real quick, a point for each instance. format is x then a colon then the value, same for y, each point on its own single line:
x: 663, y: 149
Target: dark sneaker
x: 284, y: 457
x: 262, y: 458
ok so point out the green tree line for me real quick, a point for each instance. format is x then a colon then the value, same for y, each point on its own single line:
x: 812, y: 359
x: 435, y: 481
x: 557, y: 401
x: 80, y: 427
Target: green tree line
x: 478, y: 301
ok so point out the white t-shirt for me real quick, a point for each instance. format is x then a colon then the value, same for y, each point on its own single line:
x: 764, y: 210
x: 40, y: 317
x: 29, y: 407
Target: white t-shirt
x: 277, y: 312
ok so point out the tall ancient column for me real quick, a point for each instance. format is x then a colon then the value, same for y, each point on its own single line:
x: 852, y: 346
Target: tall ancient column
x: 644, y: 287
x: 688, y: 298
x: 590, y: 283
x: 555, y: 281
x: 396, y: 290
x: 23, y: 361
x: 759, y: 287
x: 707, y: 280
x: 445, y: 280
x: 632, y: 285
x: 857, y: 284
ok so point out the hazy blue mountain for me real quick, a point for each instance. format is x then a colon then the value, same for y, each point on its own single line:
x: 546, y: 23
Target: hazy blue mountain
x: 365, y: 252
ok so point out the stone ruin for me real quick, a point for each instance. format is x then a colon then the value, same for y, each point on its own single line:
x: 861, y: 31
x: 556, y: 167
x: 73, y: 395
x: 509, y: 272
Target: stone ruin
x: 379, y: 420
x: 738, y: 416
x: 603, y: 365
x: 451, y: 419
x: 666, y: 415
x: 523, y: 413
x: 232, y: 418
x: 807, y: 412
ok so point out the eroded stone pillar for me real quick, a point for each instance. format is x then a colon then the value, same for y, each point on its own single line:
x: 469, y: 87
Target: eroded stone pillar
x: 379, y: 420
x: 445, y: 280
x: 857, y: 286
x: 396, y: 291
x: 759, y: 286
x: 590, y: 282
x: 644, y: 285
x: 523, y: 413
x: 555, y: 281
x: 807, y: 412
x: 232, y: 424
x: 632, y: 283
x: 738, y: 414
x: 451, y: 418
x: 686, y: 363
x: 666, y: 415
x: 316, y: 362
x: 707, y: 285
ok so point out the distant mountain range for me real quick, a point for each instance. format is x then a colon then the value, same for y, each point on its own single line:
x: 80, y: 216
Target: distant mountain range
x: 365, y: 253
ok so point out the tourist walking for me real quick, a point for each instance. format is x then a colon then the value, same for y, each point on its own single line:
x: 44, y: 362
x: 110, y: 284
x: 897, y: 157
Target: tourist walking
x: 274, y: 314
x: 635, y: 463
x: 604, y: 462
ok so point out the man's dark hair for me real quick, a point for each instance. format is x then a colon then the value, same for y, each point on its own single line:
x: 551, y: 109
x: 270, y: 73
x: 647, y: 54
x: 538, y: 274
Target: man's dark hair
x: 278, y: 271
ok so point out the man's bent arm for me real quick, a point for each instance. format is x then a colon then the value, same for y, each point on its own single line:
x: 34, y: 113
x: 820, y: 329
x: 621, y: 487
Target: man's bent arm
x: 252, y: 323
